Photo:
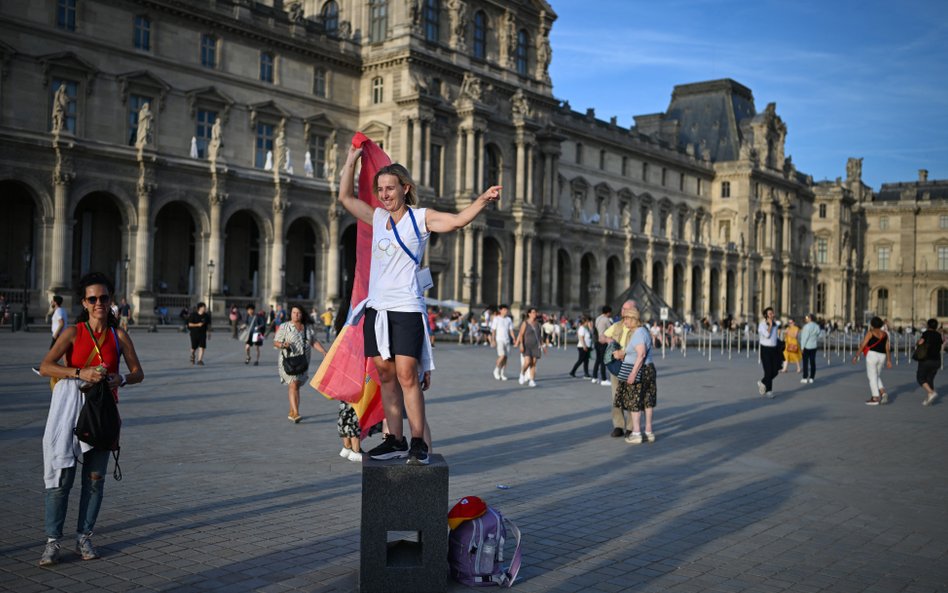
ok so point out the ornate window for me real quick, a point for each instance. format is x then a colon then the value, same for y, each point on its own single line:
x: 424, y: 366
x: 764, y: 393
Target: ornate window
x: 883, y: 223
x: 645, y: 172
x: 885, y: 254
x: 317, y: 151
x: 141, y: 38
x: 943, y: 221
x: 821, y: 298
x: 822, y: 210
x: 266, y: 66
x: 480, y: 35
x: 436, y: 153
x: 378, y: 20
x: 263, y: 144
x: 66, y: 15
x: 822, y: 250
x: 942, y: 258
x: 208, y: 50
x: 579, y: 153
x: 602, y: 159
x: 330, y: 14
x: 432, y: 18
x: 492, y: 167
x: 725, y: 189
x: 664, y: 176
x: 523, y: 52
x: 319, y: 82
x: 625, y: 166
x: 882, y: 302
x: 135, y: 103
x: 72, y: 88
x: 942, y: 304
x: 378, y: 90
x: 204, y: 124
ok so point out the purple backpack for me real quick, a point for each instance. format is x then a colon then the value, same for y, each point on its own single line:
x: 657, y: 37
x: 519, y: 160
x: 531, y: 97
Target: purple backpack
x: 476, y: 551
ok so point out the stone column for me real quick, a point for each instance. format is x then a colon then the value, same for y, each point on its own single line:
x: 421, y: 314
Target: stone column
x: 143, y: 252
x: 416, y: 146
x: 61, y: 250
x: 332, y: 259
x: 276, y: 252
x: 518, y: 295
x: 469, y: 162
x: 547, y: 273
x: 215, y: 243
x: 479, y: 259
x: 787, y: 234
x: 426, y: 150
x: 528, y: 287
x: 529, y: 198
x: 405, y: 139
x: 467, y: 264
x: 670, y: 279
x: 520, y: 185
x: 459, y: 162
x: 554, y: 272
x: 479, y: 180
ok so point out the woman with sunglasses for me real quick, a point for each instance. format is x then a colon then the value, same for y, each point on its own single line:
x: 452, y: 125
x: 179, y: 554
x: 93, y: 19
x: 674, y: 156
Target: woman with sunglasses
x: 92, y: 349
x: 395, y: 324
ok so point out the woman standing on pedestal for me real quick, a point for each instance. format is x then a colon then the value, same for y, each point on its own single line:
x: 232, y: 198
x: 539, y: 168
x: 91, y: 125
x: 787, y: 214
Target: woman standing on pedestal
x: 395, y: 326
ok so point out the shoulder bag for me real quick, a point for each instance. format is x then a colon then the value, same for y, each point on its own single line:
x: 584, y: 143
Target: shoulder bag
x: 299, y: 363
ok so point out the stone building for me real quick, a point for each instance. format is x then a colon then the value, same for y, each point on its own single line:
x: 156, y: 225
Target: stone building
x: 191, y: 150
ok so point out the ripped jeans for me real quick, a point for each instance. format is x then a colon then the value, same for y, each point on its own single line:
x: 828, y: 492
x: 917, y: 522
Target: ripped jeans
x: 94, y: 462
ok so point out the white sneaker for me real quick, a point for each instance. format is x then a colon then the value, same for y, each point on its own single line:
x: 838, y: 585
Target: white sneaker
x: 497, y: 373
x: 634, y: 438
x: 344, y: 452
x: 809, y: 380
x: 595, y: 380
x: 355, y: 456
x: 804, y: 380
x: 606, y: 382
x: 770, y: 395
x: 929, y: 399
x: 761, y: 389
x: 522, y: 379
x: 532, y: 383
x: 503, y: 377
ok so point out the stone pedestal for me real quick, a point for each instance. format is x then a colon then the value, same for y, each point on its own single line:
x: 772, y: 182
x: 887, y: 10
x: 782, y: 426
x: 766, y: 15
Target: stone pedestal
x: 404, y: 527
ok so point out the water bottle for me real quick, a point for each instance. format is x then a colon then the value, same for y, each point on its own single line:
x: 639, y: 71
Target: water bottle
x: 486, y: 562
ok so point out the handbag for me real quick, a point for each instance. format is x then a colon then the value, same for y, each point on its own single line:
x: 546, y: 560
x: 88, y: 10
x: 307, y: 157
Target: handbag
x: 299, y: 363
x: 869, y: 347
x: 921, y: 352
x: 793, y: 348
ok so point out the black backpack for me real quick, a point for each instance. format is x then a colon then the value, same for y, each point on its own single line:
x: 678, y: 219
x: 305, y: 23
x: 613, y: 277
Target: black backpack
x: 99, y: 423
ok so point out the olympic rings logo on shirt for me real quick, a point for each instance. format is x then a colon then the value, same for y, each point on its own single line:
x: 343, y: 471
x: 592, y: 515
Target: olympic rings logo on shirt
x: 386, y: 246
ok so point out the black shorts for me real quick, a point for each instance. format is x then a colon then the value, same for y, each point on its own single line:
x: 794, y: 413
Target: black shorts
x: 198, y: 340
x: 406, y: 333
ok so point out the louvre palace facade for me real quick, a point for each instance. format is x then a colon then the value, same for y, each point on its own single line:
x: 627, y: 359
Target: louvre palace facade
x: 190, y: 149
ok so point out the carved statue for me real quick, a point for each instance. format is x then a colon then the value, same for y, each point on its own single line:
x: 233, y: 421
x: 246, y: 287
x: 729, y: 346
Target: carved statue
x: 296, y: 12
x: 214, y: 148
x: 345, y: 30
x: 544, y: 51
x: 519, y: 106
x: 459, y: 19
x: 332, y: 157
x: 854, y: 169
x: 60, y: 105
x: 414, y: 12
x: 508, y: 39
x: 471, y: 87
x: 144, y: 126
x: 279, y: 144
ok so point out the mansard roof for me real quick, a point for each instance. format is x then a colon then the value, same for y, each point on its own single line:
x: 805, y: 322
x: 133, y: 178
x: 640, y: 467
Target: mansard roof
x: 710, y: 114
x: 912, y: 190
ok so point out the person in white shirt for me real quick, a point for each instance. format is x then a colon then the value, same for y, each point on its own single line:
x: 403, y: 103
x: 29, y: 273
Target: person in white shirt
x: 501, y: 328
x: 60, y: 319
x: 395, y: 327
x: 583, y: 346
x: 770, y: 355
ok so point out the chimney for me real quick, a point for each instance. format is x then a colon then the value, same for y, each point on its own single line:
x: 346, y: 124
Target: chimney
x: 923, y: 175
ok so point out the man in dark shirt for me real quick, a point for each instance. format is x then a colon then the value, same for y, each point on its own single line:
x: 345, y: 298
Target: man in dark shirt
x: 199, y: 326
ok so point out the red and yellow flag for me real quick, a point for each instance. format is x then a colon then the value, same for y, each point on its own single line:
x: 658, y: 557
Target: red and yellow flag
x: 345, y: 373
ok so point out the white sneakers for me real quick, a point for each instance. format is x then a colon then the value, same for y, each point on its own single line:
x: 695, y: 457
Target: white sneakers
x: 929, y: 399
x: 503, y: 377
x: 761, y: 388
x: 344, y: 453
x: 532, y: 383
x: 522, y: 379
x: 606, y: 382
x: 351, y: 455
x: 497, y: 373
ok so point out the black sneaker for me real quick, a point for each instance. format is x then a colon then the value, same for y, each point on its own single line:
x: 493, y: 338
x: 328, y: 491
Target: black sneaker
x: 390, y: 448
x: 418, y: 453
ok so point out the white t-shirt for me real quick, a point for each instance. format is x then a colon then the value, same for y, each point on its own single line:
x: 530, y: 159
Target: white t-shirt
x: 393, y: 284
x: 58, y: 314
x: 501, y: 327
x: 583, y: 337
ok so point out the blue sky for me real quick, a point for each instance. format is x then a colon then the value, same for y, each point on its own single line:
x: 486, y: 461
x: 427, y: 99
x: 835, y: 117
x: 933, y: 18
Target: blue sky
x: 865, y: 79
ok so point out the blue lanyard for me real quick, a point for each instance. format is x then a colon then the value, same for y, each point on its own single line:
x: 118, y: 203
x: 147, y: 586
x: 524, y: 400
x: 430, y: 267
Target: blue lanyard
x: 414, y: 258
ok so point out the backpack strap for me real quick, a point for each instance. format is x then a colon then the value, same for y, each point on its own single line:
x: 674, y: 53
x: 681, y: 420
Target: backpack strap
x: 510, y: 574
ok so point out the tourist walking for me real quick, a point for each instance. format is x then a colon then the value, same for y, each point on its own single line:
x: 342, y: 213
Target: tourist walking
x: 92, y: 349
x: 395, y: 328
x: 929, y: 365
x: 501, y: 328
x: 791, y: 347
x: 583, y: 346
x: 59, y: 320
x: 327, y: 318
x: 530, y: 342
x: 875, y: 347
x: 255, y: 330
x: 637, y: 391
x: 770, y: 355
x: 124, y: 314
x: 295, y: 337
x: 199, y: 326
x: 234, y: 317
x: 600, y: 326
x: 809, y: 342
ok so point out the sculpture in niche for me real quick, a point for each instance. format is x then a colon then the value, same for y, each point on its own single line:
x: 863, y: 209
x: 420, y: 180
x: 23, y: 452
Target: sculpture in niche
x: 145, y: 116
x: 332, y: 159
x: 508, y: 38
x: 279, y: 144
x: 296, y: 12
x: 471, y: 87
x: 214, y: 148
x: 544, y: 51
x: 459, y: 20
x: 60, y: 105
x: 345, y: 30
x: 414, y: 12
x: 519, y: 106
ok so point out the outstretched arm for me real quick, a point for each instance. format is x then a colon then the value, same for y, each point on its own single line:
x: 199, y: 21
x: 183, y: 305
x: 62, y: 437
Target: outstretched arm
x: 445, y: 222
x: 347, y: 197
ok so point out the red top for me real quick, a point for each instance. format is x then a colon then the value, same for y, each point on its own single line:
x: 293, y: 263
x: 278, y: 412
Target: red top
x: 82, y: 346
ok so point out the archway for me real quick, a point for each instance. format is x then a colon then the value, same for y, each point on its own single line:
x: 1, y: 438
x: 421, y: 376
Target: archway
x: 587, y: 275
x: 175, y: 250
x: 678, y: 289
x: 563, y: 278
x: 302, y: 264
x: 242, y: 255
x: 697, y: 307
x: 97, y: 236
x: 492, y: 281
x: 16, y: 226
x: 614, y: 279
x: 658, y: 279
x: 714, y: 292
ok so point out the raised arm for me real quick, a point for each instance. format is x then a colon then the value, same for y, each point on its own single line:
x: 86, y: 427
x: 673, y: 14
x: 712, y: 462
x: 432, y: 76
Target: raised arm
x: 445, y: 222
x: 347, y: 197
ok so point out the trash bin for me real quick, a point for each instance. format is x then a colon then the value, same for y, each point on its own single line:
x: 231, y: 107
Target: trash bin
x: 17, y: 324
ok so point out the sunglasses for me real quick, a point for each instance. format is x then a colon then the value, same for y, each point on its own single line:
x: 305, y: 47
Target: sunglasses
x: 102, y: 298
